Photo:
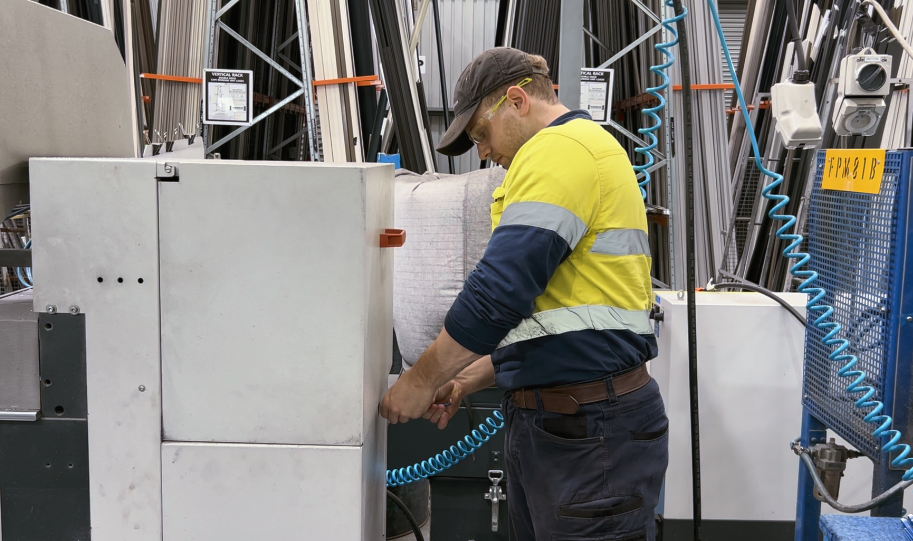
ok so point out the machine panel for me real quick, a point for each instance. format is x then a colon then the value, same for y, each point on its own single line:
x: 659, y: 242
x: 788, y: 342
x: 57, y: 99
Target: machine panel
x: 235, y: 492
x: 750, y: 375
x: 95, y: 252
x: 276, y: 324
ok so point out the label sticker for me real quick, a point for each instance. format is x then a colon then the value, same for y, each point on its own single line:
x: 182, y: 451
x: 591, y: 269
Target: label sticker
x: 853, y: 170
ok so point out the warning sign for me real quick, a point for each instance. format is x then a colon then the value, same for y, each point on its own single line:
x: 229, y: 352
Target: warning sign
x: 853, y: 170
x: 228, y: 97
x: 596, y: 93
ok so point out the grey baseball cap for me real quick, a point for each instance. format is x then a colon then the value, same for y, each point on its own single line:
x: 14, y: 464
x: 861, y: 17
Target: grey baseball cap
x: 485, y: 74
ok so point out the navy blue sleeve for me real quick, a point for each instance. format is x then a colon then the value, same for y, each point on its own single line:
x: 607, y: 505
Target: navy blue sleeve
x: 500, y: 292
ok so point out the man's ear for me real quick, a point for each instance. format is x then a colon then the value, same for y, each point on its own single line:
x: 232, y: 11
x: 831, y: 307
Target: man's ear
x: 519, y: 99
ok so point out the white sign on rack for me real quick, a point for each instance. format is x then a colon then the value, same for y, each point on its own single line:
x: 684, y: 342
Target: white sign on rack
x: 596, y: 93
x: 228, y: 97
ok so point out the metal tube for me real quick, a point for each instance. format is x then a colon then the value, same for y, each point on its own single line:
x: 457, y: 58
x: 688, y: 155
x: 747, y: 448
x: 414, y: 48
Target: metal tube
x: 260, y: 53
x: 570, y: 53
x: 226, y: 7
x: 593, y: 37
x: 690, y: 273
x: 445, y: 101
x: 259, y: 117
x: 417, y: 29
x: 303, y: 41
x: 633, y: 45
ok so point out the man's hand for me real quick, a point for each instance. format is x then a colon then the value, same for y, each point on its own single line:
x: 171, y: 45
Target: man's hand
x: 449, y: 393
x: 407, y: 399
x: 412, y: 395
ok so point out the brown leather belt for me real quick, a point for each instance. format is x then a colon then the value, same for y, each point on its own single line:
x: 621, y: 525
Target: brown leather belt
x: 568, y: 398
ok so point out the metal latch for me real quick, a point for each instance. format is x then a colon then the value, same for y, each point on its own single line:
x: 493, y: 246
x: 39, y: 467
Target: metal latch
x: 495, y: 494
x: 166, y: 171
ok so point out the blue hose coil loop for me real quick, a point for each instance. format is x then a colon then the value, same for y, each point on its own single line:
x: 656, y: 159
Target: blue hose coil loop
x: 814, y: 305
x: 25, y: 274
x: 440, y: 462
x: 651, y: 113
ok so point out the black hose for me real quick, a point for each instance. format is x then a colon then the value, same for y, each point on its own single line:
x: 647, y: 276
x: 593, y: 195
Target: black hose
x: 801, y: 74
x: 440, y: 58
x: 409, y: 516
x: 690, y: 271
x: 740, y: 284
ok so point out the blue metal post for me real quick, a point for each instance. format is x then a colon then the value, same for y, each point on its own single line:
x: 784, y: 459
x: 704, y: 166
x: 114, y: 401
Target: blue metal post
x: 808, y: 509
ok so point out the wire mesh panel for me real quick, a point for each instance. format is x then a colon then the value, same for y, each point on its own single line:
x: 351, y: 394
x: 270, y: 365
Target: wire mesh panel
x: 853, y: 243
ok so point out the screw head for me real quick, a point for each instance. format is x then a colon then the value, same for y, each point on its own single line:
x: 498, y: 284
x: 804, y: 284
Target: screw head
x: 884, y: 308
x: 142, y: 388
x: 74, y: 310
x: 51, y: 309
x: 909, y: 318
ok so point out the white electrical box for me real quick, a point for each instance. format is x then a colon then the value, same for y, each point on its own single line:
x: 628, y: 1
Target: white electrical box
x: 750, y: 362
x: 239, y: 334
x: 750, y: 352
x: 796, y: 114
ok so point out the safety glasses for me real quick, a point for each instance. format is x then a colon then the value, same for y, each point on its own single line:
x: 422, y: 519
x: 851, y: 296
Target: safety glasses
x: 480, y: 132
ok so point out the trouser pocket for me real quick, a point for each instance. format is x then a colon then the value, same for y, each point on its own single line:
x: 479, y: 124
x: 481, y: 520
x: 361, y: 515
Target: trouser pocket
x: 619, y: 517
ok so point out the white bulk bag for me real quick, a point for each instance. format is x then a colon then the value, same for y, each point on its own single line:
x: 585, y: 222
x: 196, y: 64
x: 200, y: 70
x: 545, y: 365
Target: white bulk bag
x: 447, y: 223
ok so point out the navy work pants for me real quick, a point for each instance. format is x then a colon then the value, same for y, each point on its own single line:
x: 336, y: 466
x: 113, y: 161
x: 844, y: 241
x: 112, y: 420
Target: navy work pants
x: 594, y: 475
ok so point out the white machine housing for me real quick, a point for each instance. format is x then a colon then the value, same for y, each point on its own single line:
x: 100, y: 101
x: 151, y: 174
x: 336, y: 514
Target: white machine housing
x: 750, y: 362
x: 239, y: 333
x: 863, y: 83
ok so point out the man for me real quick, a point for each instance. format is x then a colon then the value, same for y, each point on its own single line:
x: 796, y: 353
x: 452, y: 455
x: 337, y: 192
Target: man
x: 556, y: 313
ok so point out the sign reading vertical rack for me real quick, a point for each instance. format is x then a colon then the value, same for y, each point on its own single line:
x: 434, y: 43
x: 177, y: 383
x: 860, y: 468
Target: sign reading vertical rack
x: 596, y: 93
x: 228, y: 97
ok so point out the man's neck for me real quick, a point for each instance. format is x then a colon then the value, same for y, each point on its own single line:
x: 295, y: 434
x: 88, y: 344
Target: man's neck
x: 549, y: 114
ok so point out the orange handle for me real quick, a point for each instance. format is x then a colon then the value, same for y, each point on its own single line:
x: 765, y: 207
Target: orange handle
x: 392, y: 238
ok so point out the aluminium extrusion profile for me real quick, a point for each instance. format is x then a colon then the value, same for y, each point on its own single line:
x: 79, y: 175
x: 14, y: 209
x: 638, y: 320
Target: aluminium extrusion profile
x: 392, y: 44
x: 332, y: 46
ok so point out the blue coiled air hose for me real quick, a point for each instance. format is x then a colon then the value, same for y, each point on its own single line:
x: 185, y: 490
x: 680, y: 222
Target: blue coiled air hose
x: 651, y: 113
x: 457, y: 452
x: 825, y: 311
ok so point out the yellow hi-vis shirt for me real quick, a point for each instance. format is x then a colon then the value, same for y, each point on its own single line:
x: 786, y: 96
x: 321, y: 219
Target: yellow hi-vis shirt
x: 563, y: 292
x: 605, y: 283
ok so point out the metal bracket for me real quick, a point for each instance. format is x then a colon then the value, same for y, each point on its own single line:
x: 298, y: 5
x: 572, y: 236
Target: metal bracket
x: 166, y: 172
x: 495, y: 495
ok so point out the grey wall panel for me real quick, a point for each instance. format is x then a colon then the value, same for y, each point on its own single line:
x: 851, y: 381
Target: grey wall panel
x: 468, y: 28
x: 58, y: 99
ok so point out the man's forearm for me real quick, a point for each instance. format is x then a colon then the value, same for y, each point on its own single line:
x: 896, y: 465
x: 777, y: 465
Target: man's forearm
x: 442, y: 361
x: 477, y: 376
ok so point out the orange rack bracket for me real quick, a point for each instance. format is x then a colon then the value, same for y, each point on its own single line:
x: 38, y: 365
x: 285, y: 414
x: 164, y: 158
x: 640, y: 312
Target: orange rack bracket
x: 392, y: 238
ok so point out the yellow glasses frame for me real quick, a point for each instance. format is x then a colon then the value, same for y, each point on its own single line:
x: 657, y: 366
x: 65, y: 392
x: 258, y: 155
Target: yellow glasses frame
x: 479, y: 132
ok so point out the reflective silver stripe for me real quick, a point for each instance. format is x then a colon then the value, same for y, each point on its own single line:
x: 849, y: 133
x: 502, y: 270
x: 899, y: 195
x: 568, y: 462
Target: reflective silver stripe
x: 621, y: 242
x: 547, y: 216
x: 579, y: 318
